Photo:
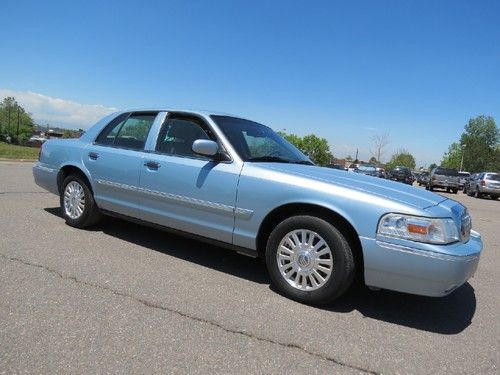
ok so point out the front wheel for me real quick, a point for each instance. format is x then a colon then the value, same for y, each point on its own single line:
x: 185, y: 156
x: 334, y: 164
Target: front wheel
x: 77, y: 203
x: 309, y: 260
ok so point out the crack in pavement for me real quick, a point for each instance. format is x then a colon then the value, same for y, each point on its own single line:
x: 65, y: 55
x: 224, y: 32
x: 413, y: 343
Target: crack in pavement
x: 24, y: 192
x: 158, y: 306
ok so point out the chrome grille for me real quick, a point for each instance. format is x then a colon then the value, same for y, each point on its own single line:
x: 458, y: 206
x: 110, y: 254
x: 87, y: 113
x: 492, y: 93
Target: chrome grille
x: 465, y: 227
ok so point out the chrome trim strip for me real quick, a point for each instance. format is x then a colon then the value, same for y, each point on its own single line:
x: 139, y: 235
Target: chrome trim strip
x: 240, y: 213
x: 46, y: 169
x: 426, y: 253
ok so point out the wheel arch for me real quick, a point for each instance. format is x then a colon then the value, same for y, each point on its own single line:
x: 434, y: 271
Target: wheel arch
x: 285, y: 211
x: 68, y: 169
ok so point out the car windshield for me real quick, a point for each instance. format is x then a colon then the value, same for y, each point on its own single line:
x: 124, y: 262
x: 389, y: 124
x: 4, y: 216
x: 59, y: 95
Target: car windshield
x: 367, y: 168
x: 495, y: 177
x: 255, y: 142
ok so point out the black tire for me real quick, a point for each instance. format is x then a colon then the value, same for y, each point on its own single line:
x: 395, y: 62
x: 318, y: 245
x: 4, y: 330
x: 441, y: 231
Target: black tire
x: 431, y: 188
x: 464, y: 191
x: 90, y: 214
x: 494, y: 197
x: 343, y: 265
x: 454, y: 191
x: 477, y: 194
x: 448, y: 190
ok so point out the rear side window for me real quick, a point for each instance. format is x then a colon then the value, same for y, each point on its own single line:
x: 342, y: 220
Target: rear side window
x: 127, y: 131
x: 446, y: 171
x: 495, y: 177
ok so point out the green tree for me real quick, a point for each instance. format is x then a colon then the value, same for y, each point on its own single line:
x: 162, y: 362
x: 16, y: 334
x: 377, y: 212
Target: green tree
x: 453, y: 157
x: 348, y: 158
x: 432, y: 166
x: 401, y: 158
x: 480, y: 143
x: 316, y: 148
x: 373, y: 160
x: 15, y: 122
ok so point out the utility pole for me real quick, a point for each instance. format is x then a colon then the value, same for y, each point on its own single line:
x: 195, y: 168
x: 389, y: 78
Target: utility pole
x: 357, y: 150
x: 462, y: 160
x: 8, y: 124
x: 17, y: 132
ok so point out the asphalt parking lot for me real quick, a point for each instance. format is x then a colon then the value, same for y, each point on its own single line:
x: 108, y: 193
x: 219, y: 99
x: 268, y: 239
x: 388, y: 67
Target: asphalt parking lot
x: 126, y: 298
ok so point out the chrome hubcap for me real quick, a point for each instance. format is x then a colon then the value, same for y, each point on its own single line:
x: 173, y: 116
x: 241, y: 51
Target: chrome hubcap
x: 304, y: 259
x: 74, y: 200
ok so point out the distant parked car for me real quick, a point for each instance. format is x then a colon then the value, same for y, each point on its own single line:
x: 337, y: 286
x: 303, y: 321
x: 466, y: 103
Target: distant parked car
x: 444, y: 178
x: 381, y: 172
x: 469, y: 181
x: 353, y: 167
x: 423, y: 179
x: 336, y: 166
x: 366, y: 169
x: 402, y: 174
x: 486, y: 183
x: 463, y: 177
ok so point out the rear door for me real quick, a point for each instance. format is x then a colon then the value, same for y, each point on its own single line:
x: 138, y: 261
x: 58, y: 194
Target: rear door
x: 114, y: 161
x: 186, y: 191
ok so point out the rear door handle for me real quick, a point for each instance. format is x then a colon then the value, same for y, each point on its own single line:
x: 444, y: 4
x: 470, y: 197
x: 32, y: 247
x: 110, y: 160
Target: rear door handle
x: 93, y: 155
x: 152, y: 165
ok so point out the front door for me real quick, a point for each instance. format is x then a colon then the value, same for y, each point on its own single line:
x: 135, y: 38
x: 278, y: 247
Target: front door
x: 186, y: 191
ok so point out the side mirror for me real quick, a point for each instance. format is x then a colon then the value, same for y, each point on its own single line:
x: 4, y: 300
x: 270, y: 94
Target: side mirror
x: 205, y: 147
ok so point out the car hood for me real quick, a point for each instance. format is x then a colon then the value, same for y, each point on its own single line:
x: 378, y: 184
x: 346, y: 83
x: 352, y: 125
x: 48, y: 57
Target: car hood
x: 394, y: 191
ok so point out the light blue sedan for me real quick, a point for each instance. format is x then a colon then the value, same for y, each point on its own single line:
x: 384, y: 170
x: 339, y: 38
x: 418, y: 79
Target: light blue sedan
x: 236, y: 183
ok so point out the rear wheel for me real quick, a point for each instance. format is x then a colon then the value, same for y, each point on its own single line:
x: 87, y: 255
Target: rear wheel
x: 77, y: 202
x: 431, y: 188
x: 477, y: 194
x: 455, y: 191
x: 494, y: 197
x: 309, y: 260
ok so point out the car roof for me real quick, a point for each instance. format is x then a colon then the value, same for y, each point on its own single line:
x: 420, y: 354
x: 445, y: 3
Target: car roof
x: 182, y: 110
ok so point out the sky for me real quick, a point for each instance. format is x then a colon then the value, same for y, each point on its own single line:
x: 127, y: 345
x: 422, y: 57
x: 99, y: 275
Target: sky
x: 343, y: 70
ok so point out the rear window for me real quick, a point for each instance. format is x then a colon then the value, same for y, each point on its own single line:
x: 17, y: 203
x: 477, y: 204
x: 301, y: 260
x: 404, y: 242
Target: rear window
x: 495, y: 177
x: 464, y: 174
x: 446, y: 171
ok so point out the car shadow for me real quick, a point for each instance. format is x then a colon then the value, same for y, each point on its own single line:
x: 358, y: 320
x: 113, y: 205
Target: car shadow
x: 447, y: 315
x: 198, y: 252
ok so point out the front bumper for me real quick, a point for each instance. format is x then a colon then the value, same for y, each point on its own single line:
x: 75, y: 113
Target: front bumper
x: 444, y: 184
x: 434, y: 272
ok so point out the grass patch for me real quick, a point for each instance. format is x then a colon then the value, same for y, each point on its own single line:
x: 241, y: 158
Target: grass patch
x: 8, y: 151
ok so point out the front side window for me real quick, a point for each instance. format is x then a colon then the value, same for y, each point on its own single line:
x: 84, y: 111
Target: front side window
x: 255, y: 142
x: 127, y: 131
x: 178, y: 135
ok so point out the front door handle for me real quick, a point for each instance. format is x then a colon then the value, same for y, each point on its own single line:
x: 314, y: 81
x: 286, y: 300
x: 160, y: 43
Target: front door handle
x: 152, y: 165
x: 93, y: 155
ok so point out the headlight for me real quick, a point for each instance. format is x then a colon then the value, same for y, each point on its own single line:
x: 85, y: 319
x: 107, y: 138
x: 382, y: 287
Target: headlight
x: 420, y: 229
